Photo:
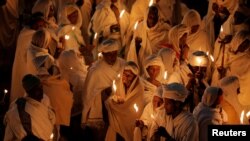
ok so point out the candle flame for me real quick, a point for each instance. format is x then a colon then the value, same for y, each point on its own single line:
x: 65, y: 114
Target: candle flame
x: 95, y: 36
x: 136, y: 107
x: 136, y: 24
x: 242, y: 116
x: 73, y: 28
x: 5, y: 91
x: 52, y: 136
x: 99, y: 54
x: 119, y: 75
x: 152, y: 116
x: 151, y: 3
x: 66, y: 37
x: 211, y: 57
x: 114, y: 86
x: 248, y: 114
x: 71, y: 68
x: 121, y: 14
x: 165, y: 75
x: 221, y: 29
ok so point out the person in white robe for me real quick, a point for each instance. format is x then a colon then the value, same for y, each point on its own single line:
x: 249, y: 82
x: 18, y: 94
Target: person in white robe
x: 239, y: 63
x: 46, y: 7
x: 73, y: 70
x: 218, y: 10
x: 30, y: 114
x: 114, y: 19
x: 69, y: 32
x: 153, y: 76
x: 38, y: 58
x: 230, y: 103
x: 197, y: 39
x: 125, y: 104
x: 143, y: 124
x: 20, y: 60
x: 173, y: 122
x: 208, y: 111
x: 99, y: 78
x: 169, y: 60
x: 150, y: 33
x: 193, y: 75
x: 177, y: 40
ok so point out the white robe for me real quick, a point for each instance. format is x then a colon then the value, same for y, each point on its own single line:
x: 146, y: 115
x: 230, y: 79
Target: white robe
x: 99, y: 77
x: 42, y: 118
x: 20, y: 61
x: 182, y: 128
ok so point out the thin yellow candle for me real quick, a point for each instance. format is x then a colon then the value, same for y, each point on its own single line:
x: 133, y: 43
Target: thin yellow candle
x: 122, y: 12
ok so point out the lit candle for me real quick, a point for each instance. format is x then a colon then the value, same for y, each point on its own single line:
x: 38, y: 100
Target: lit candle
x: 66, y: 37
x: 71, y: 68
x: 165, y: 75
x: 5, y: 91
x: 119, y: 75
x: 100, y: 55
x: 136, y: 108
x: 248, y: 116
x: 151, y: 3
x: 242, y: 117
x: 51, y: 136
x: 121, y: 14
x: 114, y: 86
x: 95, y: 36
x: 210, y: 56
x: 222, y: 32
x: 73, y: 28
x: 136, y: 24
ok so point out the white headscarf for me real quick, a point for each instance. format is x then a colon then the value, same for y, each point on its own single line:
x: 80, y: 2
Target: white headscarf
x: 175, y: 91
x: 210, y: 96
x: 154, y: 60
x: 109, y: 45
x: 168, y: 58
x: 238, y: 39
x: 174, y: 35
x: 42, y: 6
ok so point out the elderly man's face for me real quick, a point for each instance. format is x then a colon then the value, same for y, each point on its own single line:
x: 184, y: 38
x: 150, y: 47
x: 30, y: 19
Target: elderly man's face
x: 110, y: 57
x: 127, y: 78
x: 152, y: 17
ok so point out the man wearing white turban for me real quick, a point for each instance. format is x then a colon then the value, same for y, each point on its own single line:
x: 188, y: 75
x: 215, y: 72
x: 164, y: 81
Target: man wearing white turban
x: 208, y: 112
x: 99, y: 78
x: 193, y: 76
x: 125, y: 105
x: 173, y: 122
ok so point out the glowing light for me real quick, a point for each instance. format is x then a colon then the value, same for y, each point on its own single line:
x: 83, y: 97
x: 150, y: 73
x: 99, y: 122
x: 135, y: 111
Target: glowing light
x: 121, y: 14
x: 100, y: 55
x: 211, y: 57
x: 242, y: 116
x: 221, y: 29
x: 151, y: 3
x: 119, y: 75
x: 66, y: 37
x: 71, y: 68
x: 136, y: 24
x: 248, y: 114
x: 136, y: 107
x: 52, y: 136
x: 152, y: 116
x: 199, y: 61
x: 165, y: 75
x: 95, y: 36
x: 73, y: 28
x: 5, y: 91
x: 114, y: 86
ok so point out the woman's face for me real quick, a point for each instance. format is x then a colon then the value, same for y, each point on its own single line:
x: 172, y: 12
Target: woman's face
x: 127, y: 78
x: 73, y: 17
x: 153, y: 71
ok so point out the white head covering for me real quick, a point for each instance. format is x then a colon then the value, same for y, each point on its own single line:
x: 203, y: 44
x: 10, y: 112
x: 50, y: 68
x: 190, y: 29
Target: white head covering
x: 109, y: 45
x: 175, y: 91
x: 42, y: 6
x: 210, y: 95
x: 191, y: 18
x: 41, y: 38
x: 174, y: 35
x: 159, y: 91
x: 168, y: 57
x: 199, y: 58
x: 238, y: 39
x: 154, y: 60
x: 67, y: 10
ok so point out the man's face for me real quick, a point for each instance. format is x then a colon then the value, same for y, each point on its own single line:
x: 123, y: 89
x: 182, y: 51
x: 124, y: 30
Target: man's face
x: 36, y: 93
x: 169, y: 106
x: 127, y: 77
x: 110, y: 57
x: 152, y: 17
x: 157, y: 102
x: 153, y: 71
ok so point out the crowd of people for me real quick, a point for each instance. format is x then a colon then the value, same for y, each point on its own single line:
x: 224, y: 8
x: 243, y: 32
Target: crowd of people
x: 134, y: 70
